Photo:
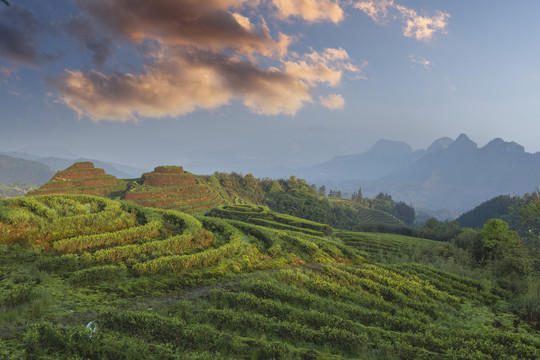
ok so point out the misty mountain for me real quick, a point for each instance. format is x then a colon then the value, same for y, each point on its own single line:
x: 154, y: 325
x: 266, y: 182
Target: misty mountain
x: 118, y: 170
x: 15, y: 170
x: 65, y: 159
x: 450, y: 174
x: 464, y: 175
x: 384, y: 158
x: 47, y: 151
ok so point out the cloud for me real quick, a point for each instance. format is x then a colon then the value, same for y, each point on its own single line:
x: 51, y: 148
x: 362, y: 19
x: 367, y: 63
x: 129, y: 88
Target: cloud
x: 376, y: 10
x: 6, y: 72
x: 19, y: 43
x: 310, y: 10
x: 100, y: 47
x: 179, y: 84
x: 421, y: 27
x: 419, y: 60
x: 207, y: 25
x: 195, y: 55
x: 333, y: 101
x: 326, y: 67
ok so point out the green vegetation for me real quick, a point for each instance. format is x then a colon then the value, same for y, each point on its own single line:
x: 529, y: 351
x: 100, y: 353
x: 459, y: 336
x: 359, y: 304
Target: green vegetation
x: 14, y: 190
x: 85, y: 277
x: 497, y: 208
x: 262, y: 215
x: 295, y: 197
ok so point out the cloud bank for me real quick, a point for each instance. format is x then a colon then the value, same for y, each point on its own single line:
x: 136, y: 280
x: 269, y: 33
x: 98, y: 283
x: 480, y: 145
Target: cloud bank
x: 199, y: 55
x: 184, y: 55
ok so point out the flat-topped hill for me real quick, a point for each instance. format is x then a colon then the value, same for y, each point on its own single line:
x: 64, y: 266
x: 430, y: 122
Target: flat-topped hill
x: 170, y: 187
x: 80, y: 178
x: 164, y: 176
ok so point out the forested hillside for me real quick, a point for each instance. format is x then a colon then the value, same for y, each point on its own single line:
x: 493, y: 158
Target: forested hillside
x: 296, y: 197
x: 498, y: 207
x: 15, y: 170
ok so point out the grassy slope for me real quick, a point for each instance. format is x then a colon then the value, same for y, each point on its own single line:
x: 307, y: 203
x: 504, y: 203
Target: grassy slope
x: 165, y: 285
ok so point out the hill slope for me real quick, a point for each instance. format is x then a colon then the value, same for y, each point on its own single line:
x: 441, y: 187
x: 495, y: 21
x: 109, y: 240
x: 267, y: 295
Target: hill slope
x: 15, y: 170
x: 170, y: 187
x: 80, y: 178
x: 109, y: 280
x: 166, y: 187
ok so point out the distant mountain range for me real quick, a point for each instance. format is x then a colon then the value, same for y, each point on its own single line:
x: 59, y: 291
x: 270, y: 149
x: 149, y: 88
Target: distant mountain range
x: 53, y: 159
x: 15, y: 170
x: 451, y: 174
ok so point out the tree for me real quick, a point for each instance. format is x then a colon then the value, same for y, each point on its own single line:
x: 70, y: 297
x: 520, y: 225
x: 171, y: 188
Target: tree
x: 250, y: 182
x: 276, y: 188
x: 529, y: 220
x: 322, y: 191
x: 492, y: 241
x: 359, y: 196
x: 293, y: 184
x: 405, y: 213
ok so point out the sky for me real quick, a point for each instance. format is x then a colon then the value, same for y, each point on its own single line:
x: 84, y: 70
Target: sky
x: 221, y: 85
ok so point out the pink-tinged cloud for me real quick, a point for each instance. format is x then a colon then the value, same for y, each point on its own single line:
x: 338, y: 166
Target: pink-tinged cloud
x: 332, y: 101
x: 200, y: 55
x: 310, y: 10
x: 420, y: 27
x: 179, y: 84
x: 326, y: 67
x: 208, y: 24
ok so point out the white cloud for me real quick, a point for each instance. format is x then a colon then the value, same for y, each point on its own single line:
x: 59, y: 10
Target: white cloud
x: 420, y: 27
x: 419, y: 60
x: 376, y: 10
x: 333, y: 101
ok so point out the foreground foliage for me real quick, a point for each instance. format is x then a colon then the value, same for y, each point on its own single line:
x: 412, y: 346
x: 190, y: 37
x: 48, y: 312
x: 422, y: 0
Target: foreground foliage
x: 161, y: 284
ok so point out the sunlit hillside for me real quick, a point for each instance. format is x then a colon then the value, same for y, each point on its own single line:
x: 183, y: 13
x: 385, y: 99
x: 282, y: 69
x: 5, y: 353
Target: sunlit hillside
x: 91, y: 278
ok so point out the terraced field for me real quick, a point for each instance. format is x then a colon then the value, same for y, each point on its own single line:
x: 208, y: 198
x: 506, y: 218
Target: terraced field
x: 81, y: 178
x: 367, y: 215
x: 381, y: 246
x: 263, y: 216
x: 167, y: 187
x: 374, y: 216
x: 85, y: 277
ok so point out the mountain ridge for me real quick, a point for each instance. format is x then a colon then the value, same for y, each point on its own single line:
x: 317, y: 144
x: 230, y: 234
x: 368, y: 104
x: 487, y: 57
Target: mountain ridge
x: 450, y: 174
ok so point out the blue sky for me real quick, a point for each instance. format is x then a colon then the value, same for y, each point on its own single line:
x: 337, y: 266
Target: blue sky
x: 241, y: 84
